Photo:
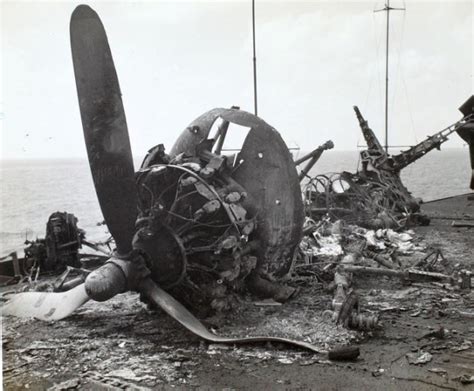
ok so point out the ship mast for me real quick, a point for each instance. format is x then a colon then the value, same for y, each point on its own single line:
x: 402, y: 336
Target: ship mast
x: 254, y: 60
x: 387, y: 9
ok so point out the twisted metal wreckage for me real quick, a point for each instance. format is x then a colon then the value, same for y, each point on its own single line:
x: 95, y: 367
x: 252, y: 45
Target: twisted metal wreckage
x: 375, y: 197
x: 207, y: 226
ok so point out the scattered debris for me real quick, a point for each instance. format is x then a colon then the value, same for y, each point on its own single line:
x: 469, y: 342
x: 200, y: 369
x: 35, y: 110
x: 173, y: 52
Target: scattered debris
x: 464, y: 346
x: 285, y: 361
x: 439, y: 334
x: 267, y: 303
x: 458, y: 224
x: 439, y: 371
x: 344, y: 353
x: 409, y: 274
x: 465, y: 379
x: 466, y: 314
x: 419, y: 358
x: 66, y: 385
x: 466, y: 279
x: 53, y: 254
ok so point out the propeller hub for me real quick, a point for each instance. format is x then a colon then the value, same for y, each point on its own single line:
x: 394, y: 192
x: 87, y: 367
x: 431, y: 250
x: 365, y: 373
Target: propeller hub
x: 116, y: 276
x: 106, y: 282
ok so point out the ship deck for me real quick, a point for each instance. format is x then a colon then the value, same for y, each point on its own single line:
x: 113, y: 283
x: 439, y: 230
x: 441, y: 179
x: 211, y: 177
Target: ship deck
x: 120, y: 344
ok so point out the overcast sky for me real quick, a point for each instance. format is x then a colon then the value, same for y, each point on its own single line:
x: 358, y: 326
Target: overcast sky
x: 176, y: 60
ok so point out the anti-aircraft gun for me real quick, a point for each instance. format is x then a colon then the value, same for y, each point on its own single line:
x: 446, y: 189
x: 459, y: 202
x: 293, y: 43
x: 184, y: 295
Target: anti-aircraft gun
x: 375, y: 196
x: 388, y: 167
x: 376, y: 157
x: 312, y: 158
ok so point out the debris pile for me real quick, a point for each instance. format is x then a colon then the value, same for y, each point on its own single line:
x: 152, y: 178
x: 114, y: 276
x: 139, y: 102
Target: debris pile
x: 363, y: 199
x: 342, y: 274
x: 337, y: 253
x: 57, y: 252
x: 375, y: 196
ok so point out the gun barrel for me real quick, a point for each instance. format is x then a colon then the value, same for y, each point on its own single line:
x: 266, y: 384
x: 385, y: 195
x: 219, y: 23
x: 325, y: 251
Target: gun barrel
x: 313, y: 157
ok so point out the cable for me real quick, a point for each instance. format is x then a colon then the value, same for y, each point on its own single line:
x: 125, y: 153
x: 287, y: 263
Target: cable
x: 398, y: 71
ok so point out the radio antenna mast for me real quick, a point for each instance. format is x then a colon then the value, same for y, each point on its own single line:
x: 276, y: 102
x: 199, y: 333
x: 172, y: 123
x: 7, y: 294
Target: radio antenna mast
x: 387, y: 9
x: 254, y: 60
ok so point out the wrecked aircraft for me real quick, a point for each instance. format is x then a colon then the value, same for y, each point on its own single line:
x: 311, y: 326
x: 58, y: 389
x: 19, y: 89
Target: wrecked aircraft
x: 195, y: 222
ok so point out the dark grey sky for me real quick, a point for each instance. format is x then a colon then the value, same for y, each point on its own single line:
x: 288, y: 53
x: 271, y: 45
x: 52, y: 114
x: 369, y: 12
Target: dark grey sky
x: 175, y: 60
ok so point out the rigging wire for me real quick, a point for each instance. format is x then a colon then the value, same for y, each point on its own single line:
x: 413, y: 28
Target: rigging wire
x: 398, y: 69
x: 374, y: 67
x: 410, y: 111
x: 378, y: 63
x: 401, y: 77
x: 399, y: 72
x: 375, y: 71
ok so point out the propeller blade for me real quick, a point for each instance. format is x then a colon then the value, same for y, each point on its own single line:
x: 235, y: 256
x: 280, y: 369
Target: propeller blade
x: 45, y: 305
x: 55, y: 306
x: 179, y: 313
x: 105, y: 126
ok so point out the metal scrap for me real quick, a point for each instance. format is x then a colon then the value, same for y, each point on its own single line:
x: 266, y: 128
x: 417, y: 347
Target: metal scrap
x: 409, y: 274
x: 458, y: 224
x: 419, y: 358
x: 366, y: 253
x: 60, y: 249
x: 312, y: 158
x: 375, y: 196
x: 465, y: 379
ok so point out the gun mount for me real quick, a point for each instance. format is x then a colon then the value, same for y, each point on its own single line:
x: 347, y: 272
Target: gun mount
x: 375, y: 196
x: 376, y: 157
x: 312, y: 159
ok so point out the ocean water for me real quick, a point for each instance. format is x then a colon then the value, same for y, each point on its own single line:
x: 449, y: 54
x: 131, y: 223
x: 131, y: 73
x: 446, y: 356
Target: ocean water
x: 33, y: 189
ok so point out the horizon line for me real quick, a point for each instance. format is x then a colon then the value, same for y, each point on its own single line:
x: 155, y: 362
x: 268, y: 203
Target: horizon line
x: 2, y: 159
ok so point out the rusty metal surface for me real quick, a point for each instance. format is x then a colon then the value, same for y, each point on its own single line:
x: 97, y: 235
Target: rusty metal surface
x: 195, y: 133
x: 313, y: 157
x: 198, y: 130
x: 194, y: 230
x: 104, y: 124
x: 267, y: 172
x: 167, y: 257
x: 405, y: 158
